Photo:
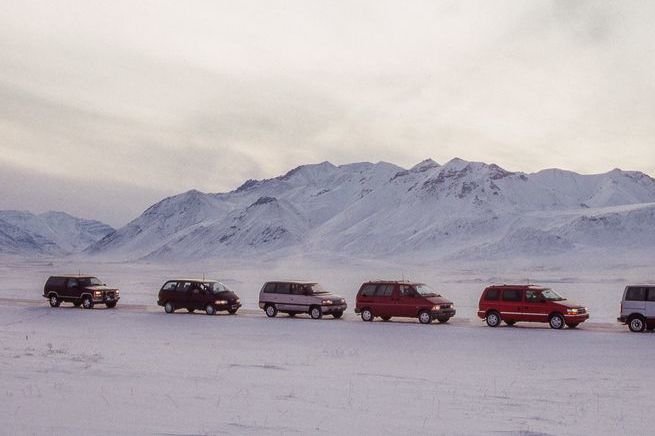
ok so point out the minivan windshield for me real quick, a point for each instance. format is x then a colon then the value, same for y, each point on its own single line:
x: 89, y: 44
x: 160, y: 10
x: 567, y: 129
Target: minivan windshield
x: 551, y: 295
x: 215, y: 287
x: 90, y: 281
x: 425, y: 291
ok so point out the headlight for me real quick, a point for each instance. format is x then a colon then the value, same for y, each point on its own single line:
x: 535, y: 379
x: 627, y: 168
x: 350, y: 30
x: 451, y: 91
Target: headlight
x: 97, y: 294
x: 437, y: 307
x: 327, y: 301
x: 117, y: 292
x: 572, y: 311
x: 220, y: 302
x: 343, y: 300
x: 237, y: 301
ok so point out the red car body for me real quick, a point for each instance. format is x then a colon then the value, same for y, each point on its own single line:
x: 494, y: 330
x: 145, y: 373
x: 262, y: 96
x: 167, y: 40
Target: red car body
x: 529, y: 303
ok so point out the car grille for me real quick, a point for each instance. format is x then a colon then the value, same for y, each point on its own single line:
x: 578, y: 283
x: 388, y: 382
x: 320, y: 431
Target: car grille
x: 110, y: 294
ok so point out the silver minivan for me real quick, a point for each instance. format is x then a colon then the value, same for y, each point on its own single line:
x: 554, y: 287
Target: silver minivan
x: 294, y: 297
x: 638, y: 307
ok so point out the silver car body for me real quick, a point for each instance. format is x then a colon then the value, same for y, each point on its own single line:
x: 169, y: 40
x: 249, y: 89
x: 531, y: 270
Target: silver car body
x: 291, y: 296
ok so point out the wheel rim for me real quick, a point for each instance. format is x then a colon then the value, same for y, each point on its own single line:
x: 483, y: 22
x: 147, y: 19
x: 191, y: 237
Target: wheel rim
x: 270, y: 311
x: 556, y: 322
x: 637, y: 324
x: 424, y: 317
x: 169, y: 307
x: 367, y: 315
x: 209, y: 309
x: 492, y: 319
x: 86, y: 303
x: 53, y: 300
x: 316, y: 313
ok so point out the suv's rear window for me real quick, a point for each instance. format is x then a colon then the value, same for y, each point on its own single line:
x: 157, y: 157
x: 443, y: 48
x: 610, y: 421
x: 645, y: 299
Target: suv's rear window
x: 368, y: 290
x: 512, y: 295
x: 636, y: 294
x: 56, y: 282
x: 492, y: 294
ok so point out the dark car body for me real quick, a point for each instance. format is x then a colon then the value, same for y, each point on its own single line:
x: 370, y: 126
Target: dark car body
x: 195, y: 294
x: 528, y: 303
x: 80, y: 290
x: 387, y: 299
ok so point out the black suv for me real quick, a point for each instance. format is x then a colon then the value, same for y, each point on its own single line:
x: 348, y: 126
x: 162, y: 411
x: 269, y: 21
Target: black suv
x: 79, y: 290
x: 191, y: 294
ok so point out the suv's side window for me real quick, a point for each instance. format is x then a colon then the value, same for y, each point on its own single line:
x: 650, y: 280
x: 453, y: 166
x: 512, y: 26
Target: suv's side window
x: 384, y: 291
x: 170, y: 286
x: 512, y: 295
x: 492, y: 294
x: 651, y: 294
x: 71, y: 284
x: 269, y: 288
x: 368, y: 290
x: 636, y: 294
x: 284, y: 288
x: 183, y: 286
x: 532, y: 296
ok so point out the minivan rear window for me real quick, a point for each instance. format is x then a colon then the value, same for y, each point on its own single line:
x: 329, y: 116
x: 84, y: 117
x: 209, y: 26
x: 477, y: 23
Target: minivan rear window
x: 636, y: 294
x: 492, y: 294
x: 170, y: 286
x: 269, y: 288
x: 368, y: 290
x: 512, y: 295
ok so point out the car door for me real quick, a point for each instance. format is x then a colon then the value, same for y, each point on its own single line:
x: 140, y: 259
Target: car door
x: 510, y: 304
x: 283, y: 296
x: 534, y: 308
x: 406, y: 303
x: 198, y: 297
x: 386, y: 297
x: 73, y: 289
x: 182, y: 291
x: 635, y: 300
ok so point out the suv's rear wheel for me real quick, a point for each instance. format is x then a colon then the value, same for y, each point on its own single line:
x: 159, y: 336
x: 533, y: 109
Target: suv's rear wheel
x: 54, y: 300
x: 556, y: 321
x: 493, y: 319
x: 210, y: 309
x: 315, y: 312
x: 337, y: 315
x: 87, y: 302
x: 424, y: 317
x: 637, y: 324
x: 367, y: 315
x: 168, y: 307
x: 271, y: 311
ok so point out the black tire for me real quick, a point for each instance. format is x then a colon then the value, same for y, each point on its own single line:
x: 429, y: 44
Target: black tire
x: 337, y: 315
x: 443, y: 319
x: 169, y: 307
x: 424, y: 317
x: 493, y: 318
x: 291, y: 314
x: 77, y: 303
x: 637, y: 324
x: 315, y: 312
x: 367, y: 315
x: 111, y: 304
x: 385, y: 318
x: 232, y: 311
x: 190, y: 310
x: 556, y: 321
x: 87, y: 302
x: 572, y: 325
x: 271, y: 310
x: 510, y: 323
x: 54, y: 300
x: 210, y: 309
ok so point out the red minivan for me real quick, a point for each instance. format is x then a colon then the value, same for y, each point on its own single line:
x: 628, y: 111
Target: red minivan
x: 403, y: 299
x: 529, y: 303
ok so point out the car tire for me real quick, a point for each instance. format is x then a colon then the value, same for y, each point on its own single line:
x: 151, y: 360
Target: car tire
x: 271, y: 310
x: 572, y: 325
x: 77, y: 303
x: 190, y: 310
x: 510, y: 323
x: 315, y: 312
x: 636, y: 324
x: 110, y: 305
x: 556, y: 321
x: 232, y: 311
x: 385, y: 318
x: 443, y: 319
x: 87, y: 302
x: 337, y: 315
x: 367, y: 315
x: 291, y: 314
x: 424, y: 317
x: 210, y: 309
x: 493, y: 318
x: 168, y: 307
x: 54, y: 300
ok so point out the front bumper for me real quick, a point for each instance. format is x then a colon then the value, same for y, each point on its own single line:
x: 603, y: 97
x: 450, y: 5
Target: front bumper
x: 443, y: 313
x: 228, y: 306
x: 576, y: 318
x: 106, y: 299
x: 334, y: 308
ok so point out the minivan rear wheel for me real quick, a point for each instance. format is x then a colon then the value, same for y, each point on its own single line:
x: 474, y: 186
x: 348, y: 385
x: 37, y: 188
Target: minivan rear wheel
x: 636, y: 324
x: 367, y: 315
x: 87, y: 302
x: 315, y: 312
x: 556, y: 321
x: 54, y: 301
x: 493, y: 319
x: 271, y: 311
x: 424, y: 317
x: 168, y: 307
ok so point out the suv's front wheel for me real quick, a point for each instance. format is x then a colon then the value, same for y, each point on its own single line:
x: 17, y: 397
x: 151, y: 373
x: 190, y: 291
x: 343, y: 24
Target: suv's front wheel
x: 54, y: 301
x: 637, y: 324
x: 87, y: 302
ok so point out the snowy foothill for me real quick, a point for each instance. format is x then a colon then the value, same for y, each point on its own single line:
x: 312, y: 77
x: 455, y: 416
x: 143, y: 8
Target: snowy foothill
x: 138, y: 370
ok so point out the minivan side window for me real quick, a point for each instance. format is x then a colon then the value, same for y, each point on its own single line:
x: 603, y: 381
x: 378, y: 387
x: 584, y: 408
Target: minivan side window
x: 651, y: 294
x: 183, y: 286
x: 297, y: 289
x: 407, y: 291
x: 283, y: 288
x: 532, y: 296
x: 368, y: 290
x: 170, y: 286
x: 492, y: 294
x: 72, y: 284
x: 512, y: 295
x: 384, y: 291
x: 635, y: 294
x: 269, y: 288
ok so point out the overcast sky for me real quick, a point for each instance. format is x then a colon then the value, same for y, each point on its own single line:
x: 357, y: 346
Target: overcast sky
x: 106, y: 107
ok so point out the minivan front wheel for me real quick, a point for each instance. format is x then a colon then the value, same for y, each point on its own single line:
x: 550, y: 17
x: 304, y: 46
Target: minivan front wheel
x: 367, y: 315
x: 424, y: 317
x: 87, y: 302
x: 210, y: 309
x: 271, y: 311
x: 556, y: 321
x: 493, y: 319
x: 54, y: 301
x: 637, y: 324
x: 316, y: 312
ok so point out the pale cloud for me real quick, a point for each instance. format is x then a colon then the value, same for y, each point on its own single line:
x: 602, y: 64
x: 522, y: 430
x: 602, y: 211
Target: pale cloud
x: 158, y: 97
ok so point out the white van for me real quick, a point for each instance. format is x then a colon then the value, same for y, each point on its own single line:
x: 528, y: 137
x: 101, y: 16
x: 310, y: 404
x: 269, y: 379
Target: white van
x: 638, y: 307
x: 294, y: 297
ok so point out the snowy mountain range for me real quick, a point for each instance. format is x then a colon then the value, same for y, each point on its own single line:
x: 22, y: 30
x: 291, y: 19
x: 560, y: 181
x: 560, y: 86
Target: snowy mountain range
x: 51, y: 233
x: 457, y: 210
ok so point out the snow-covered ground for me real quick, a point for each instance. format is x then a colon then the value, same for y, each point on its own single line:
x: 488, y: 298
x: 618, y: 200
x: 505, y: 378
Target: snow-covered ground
x: 137, y: 370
